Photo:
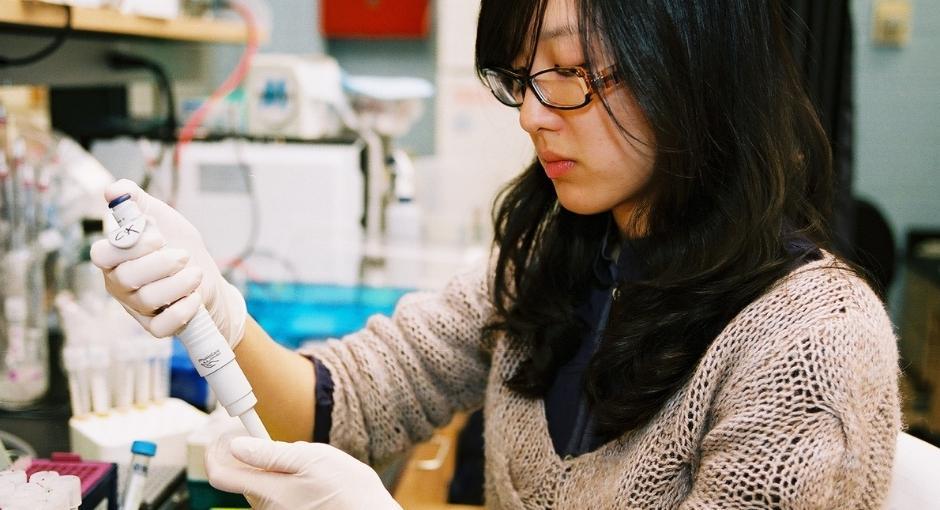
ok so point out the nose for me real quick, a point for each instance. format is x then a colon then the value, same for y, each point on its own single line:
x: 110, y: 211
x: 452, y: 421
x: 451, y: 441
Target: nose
x: 534, y: 116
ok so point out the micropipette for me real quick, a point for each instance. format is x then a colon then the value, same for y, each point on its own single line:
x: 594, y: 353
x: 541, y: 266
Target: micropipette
x: 209, y: 351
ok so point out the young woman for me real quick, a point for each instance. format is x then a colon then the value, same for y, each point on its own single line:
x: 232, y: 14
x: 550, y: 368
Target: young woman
x: 660, y: 326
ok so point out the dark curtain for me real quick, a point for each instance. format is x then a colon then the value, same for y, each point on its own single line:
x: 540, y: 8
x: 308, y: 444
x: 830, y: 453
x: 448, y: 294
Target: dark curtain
x: 822, y: 45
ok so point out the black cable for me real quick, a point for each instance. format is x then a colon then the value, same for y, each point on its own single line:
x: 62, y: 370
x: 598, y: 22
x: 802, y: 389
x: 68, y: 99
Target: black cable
x: 124, y: 61
x: 56, y: 43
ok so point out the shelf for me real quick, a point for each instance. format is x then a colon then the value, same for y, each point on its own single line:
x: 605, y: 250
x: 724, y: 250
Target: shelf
x: 25, y: 13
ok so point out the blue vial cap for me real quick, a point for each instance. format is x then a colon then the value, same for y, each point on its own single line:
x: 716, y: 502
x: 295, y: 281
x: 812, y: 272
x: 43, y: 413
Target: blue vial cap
x: 119, y: 200
x: 144, y: 448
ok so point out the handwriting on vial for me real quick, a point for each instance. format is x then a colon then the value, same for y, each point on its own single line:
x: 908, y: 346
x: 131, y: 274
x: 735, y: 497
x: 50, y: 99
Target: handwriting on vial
x: 126, y: 236
x: 211, y: 360
x: 122, y: 232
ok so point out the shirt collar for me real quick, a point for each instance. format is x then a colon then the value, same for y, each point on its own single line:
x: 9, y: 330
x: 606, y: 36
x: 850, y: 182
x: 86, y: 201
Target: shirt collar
x: 618, y: 260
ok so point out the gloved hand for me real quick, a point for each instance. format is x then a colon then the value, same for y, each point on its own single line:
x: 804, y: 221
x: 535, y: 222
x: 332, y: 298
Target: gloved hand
x: 274, y: 475
x: 157, y: 279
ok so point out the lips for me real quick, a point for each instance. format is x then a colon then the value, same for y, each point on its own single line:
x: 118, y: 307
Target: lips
x: 555, y: 165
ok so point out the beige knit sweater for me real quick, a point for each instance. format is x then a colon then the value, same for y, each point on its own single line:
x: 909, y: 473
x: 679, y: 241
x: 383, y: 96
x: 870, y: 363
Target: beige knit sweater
x: 794, y: 405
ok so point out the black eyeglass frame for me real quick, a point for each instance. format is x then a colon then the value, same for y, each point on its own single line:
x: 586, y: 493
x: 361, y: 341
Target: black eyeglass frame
x: 594, y: 82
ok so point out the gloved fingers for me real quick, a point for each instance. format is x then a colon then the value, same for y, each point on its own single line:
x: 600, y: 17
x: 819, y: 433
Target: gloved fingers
x: 177, y: 315
x: 222, y: 468
x: 149, y: 268
x: 154, y: 297
x: 107, y: 256
x: 277, y: 456
x: 143, y: 320
x: 226, y: 473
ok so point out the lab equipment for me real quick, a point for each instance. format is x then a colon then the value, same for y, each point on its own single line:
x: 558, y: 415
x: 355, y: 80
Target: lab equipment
x: 293, y: 96
x: 299, y: 207
x: 386, y: 108
x: 124, y: 368
x: 109, y: 438
x: 142, y: 451
x: 24, y: 371
x: 208, y: 349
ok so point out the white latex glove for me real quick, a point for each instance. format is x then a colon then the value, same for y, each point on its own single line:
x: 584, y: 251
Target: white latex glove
x: 274, y: 475
x: 163, y: 278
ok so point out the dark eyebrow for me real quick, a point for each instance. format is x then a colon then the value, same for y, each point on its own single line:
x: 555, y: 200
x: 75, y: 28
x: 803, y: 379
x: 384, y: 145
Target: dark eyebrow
x: 551, y: 33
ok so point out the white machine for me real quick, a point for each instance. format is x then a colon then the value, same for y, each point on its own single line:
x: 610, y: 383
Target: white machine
x: 293, y: 96
x: 298, y: 207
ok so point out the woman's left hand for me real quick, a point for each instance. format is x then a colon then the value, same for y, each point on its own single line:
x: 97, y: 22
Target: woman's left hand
x: 274, y: 475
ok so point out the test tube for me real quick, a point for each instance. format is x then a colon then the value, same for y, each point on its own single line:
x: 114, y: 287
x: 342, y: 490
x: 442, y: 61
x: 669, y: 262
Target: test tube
x: 142, y: 452
x: 75, y: 360
x: 99, y: 361
x: 142, y: 378
x: 160, y: 369
x: 123, y: 369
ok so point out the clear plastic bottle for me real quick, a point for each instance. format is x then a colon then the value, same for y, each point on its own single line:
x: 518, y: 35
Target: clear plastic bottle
x: 24, y: 349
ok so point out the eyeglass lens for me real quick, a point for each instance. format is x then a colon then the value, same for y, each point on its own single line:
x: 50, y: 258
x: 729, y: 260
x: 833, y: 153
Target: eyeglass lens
x: 555, y: 87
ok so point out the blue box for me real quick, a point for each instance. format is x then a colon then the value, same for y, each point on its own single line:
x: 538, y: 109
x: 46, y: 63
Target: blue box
x: 296, y: 313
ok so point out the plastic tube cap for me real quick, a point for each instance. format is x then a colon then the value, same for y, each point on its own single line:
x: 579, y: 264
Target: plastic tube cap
x: 44, y: 478
x: 123, y: 198
x: 144, y: 448
x: 16, y: 477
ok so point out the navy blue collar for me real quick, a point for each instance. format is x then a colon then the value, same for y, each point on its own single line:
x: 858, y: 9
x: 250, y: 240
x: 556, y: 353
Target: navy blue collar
x: 618, y: 260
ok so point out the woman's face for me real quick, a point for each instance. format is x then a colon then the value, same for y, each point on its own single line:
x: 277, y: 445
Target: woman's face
x: 593, y: 165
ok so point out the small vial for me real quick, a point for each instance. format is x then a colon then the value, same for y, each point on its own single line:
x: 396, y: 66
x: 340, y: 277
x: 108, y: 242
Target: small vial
x: 162, y: 350
x: 142, y: 452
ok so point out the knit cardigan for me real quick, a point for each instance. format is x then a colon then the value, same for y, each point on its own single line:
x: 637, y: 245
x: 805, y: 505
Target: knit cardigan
x: 794, y: 404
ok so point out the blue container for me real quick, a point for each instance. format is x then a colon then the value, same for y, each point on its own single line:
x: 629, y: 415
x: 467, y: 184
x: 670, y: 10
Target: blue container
x: 296, y: 313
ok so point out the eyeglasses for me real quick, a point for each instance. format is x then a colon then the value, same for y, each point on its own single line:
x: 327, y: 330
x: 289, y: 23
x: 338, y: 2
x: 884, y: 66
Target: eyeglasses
x: 564, y: 88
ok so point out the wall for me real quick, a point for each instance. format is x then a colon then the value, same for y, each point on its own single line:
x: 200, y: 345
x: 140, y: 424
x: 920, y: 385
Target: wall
x: 898, y: 120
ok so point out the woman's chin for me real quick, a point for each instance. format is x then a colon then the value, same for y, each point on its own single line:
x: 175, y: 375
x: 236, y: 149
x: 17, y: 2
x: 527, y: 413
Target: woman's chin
x: 578, y: 203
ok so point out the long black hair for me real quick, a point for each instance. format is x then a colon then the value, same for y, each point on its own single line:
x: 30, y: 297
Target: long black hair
x: 742, y: 169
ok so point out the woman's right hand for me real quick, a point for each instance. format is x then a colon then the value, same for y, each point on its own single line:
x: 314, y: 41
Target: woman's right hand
x: 168, y: 273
